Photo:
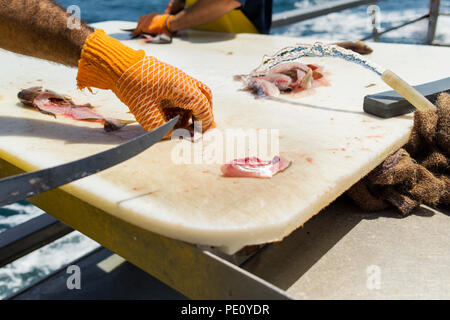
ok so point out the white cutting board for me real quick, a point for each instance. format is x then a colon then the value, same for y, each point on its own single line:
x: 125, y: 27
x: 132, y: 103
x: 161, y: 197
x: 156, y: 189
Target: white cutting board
x: 329, y: 138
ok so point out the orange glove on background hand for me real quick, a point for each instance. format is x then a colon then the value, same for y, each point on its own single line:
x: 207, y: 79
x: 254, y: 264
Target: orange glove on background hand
x: 154, y: 23
x: 154, y: 91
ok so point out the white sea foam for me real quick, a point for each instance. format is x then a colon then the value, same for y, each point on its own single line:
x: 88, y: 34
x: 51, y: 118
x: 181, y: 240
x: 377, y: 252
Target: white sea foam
x: 352, y: 24
x: 42, y: 262
x: 23, y: 212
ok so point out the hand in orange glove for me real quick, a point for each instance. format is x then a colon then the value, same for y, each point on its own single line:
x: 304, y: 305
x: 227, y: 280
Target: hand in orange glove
x: 154, y: 23
x: 154, y: 91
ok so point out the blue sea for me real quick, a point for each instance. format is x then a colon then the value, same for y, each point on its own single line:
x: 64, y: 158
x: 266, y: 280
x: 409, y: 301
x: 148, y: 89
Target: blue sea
x: 350, y: 24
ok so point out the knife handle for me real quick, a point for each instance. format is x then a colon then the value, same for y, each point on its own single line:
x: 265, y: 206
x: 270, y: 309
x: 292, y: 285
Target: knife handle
x: 404, y: 89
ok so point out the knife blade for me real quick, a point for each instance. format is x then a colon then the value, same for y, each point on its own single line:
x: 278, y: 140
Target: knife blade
x: 22, y: 186
x: 131, y: 30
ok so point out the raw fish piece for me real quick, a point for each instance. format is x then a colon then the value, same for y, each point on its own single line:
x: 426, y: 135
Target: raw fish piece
x: 159, y: 39
x: 51, y: 103
x: 307, y: 80
x: 263, y: 88
x: 253, y: 167
x: 294, y: 65
x: 280, y: 80
x: 289, y: 76
x: 356, y: 46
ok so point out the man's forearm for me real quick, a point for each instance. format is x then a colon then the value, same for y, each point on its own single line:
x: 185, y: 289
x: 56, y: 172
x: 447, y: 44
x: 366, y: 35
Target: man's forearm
x: 203, y: 11
x: 39, y: 28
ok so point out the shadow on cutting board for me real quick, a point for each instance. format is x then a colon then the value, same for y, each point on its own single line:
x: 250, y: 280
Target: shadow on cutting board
x: 196, y: 36
x: 122, y: 36
x: 12, y: 126
x: 307, y: 105
x: 324, y: 108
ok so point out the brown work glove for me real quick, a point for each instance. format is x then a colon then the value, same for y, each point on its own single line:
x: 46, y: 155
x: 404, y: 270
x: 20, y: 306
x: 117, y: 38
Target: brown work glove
x: 419, y: 173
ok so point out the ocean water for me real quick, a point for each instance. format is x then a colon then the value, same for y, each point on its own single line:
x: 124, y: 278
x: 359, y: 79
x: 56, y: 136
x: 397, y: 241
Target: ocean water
x: 351, y: 24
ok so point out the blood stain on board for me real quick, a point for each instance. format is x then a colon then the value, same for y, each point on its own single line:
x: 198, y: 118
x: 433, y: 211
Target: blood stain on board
x: 297, y: 155
x: 337, y: 149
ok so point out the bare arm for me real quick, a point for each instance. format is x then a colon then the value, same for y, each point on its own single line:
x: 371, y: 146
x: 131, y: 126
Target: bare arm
x: 203, y: 11
x: 39, y: 28
x: 174, y: 6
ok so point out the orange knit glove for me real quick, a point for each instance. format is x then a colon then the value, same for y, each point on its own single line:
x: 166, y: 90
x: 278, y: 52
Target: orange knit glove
x: 154, y: 91
x: 154, y: 23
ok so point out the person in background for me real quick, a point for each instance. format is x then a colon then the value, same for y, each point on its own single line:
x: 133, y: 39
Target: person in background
x: 149, y: 87
x: 234, y: 16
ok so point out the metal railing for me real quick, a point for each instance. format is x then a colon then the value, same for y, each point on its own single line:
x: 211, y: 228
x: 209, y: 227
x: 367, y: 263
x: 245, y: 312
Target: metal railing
x: 294, y: 16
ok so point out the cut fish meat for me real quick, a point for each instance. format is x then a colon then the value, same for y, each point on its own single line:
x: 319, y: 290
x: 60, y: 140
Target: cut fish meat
x: 286, y: 77
x: 51, y: 103
x: 253, y: 167
x: 263, y: 87
x: 159, y: 39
